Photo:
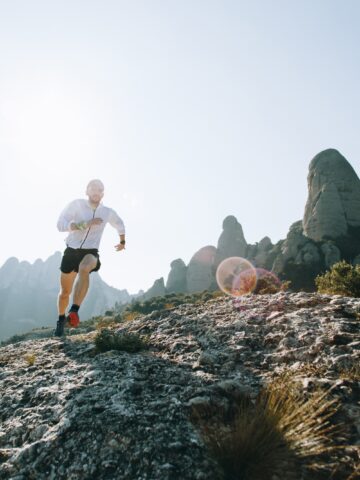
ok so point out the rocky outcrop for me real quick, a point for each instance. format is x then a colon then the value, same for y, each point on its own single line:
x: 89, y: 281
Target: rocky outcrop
x: 329, y: 232
x: 156, y: 290
x: 176, y: 281
x: 333, y: 204
x: 74, y: 414
x: 330, y: 229
x: 331, y: 254
x: 200, y: 271
x: 231, y: 242
x: 261, y: 257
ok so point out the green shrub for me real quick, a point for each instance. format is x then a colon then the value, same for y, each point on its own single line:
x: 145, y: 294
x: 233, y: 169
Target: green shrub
x: 107, y: 339
x: 342, y: 279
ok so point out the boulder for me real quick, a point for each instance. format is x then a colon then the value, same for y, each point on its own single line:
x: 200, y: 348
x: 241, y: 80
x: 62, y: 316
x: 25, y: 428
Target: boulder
x: 262, y: 252
x: 331, y: 254
x: 200, y: 273
x: 231, y: 242
x: 290, y: 248
x: 299, y: 259
x: 157, y: 290
x: 176, y: 281
x: 333, y: 205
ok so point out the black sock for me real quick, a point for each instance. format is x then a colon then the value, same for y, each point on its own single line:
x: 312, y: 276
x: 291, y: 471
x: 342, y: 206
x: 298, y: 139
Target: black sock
x: 61, y: 317
x: 74, y: 308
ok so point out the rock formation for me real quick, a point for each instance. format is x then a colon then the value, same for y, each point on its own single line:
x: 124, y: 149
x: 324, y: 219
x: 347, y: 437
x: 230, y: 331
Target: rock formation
x: 200, y: 271
x: 231, y: 242
x: 329, y: 232
x: 156, y: 290
x: 331, y: 254
x: 333, y: 205
x: 261, y: 253
x: 176, y: 281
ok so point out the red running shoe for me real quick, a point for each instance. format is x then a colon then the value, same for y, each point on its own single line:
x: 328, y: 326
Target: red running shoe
x: 73, y: 319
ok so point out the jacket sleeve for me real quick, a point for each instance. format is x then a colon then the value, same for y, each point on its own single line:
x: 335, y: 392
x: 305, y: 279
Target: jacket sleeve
x: 116, y: 222
x: 67, y: 217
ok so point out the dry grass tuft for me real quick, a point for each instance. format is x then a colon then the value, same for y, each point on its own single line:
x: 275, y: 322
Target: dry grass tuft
x: 352, y: 374
x: 30, y: 359
x: 167, y: 306
x: 105, y: 322
x: 128, y: 316
x: 305, y: 369
x: 282, y: 431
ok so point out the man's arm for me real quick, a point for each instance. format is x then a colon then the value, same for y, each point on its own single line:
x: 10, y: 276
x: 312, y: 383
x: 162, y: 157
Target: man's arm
x: 118, y: 224
x: 66, y: 222
x: 121, y: 245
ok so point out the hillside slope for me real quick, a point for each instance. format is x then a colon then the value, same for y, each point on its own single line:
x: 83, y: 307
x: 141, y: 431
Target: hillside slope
x: 78, y: 414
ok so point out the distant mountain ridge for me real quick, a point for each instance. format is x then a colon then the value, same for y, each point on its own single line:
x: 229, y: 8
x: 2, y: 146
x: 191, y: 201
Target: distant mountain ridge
x: 28, y: 295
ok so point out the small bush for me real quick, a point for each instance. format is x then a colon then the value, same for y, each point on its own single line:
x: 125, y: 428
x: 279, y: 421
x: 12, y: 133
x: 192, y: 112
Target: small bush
x: 342, y: 279
x: 30, y: 358
x: 128, y: 316
x: 168, y: 306
x: 268, y: 283
x: 104, y: 323
x: 107, y: 339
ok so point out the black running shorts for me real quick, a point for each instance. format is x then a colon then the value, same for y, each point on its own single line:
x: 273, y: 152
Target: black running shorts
x: 73, y: 256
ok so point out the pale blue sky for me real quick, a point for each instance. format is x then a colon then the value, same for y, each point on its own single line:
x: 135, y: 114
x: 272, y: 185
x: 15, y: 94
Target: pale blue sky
x: 187, y: 110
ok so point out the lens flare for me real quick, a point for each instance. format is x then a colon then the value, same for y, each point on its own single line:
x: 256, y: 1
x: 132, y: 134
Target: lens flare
x: 236, y: 276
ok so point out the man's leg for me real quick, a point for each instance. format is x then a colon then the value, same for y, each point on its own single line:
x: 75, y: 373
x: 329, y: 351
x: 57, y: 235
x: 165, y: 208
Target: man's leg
x: 66, y: 284
x: 87, y: 264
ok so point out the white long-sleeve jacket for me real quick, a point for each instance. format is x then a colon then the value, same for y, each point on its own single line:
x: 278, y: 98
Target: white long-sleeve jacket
x: 81, y: 211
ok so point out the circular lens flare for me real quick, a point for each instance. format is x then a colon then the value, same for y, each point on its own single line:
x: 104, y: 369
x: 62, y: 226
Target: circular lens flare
x: 236, y: 276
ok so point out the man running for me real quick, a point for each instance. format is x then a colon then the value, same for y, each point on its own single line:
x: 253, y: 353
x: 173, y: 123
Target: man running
x: 85, y: 220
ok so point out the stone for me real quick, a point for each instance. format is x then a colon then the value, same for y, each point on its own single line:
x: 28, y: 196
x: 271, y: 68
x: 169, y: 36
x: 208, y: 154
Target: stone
x: 331, y: 254
x: 231, y: 242
x: 200, y: 271
x: 156, y: 290
x: 294, y: 242
x: 333, y: 204
x: 265, y: 244
x: 308, y: 254
x: 290, y: 248
x: 176, y: 281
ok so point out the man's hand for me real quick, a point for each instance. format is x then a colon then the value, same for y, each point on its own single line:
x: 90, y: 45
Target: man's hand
x: 94, y: 221
x: 85, y: 225
x: 119, y: 247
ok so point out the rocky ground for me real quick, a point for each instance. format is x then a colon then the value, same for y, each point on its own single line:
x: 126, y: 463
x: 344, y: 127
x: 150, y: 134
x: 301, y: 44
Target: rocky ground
x: 68, y: 412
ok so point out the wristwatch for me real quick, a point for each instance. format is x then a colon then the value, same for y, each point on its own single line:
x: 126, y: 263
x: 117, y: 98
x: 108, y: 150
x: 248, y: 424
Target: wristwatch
x: 122, y: 242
